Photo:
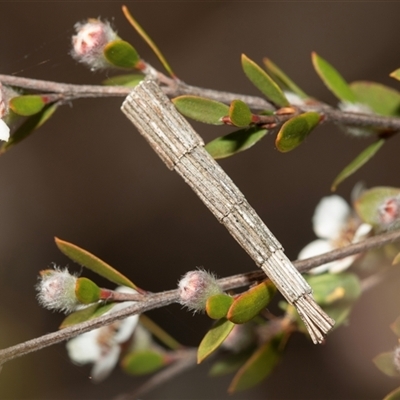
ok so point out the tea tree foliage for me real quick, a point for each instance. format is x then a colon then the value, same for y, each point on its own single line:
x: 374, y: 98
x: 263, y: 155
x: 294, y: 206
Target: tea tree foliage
x: 248, y: 334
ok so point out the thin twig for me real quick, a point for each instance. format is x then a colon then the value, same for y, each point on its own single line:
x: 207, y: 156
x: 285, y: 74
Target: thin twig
x: 187, y: 359
x: 165, y: 298
x: 174, y: 88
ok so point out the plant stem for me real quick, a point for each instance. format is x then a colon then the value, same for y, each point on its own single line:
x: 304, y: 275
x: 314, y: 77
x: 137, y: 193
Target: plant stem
x: 173, y: 88
x: 163, y: 299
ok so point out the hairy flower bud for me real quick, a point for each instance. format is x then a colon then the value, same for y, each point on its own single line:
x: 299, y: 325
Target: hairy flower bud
x: 389, y: 213
x: 196, y: 287
x: 56, y: 290
x: 88, y: 43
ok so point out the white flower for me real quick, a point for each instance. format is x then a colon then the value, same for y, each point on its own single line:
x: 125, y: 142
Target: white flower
x: 336, y: 226
x: 102, y: 347
x: 4, y: 131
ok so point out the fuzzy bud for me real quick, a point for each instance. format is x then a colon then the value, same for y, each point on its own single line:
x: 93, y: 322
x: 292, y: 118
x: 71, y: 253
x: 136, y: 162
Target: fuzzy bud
x: 56, y: 290
x: 389, y: 213
x: 196, y: 287
x: 89, y: 42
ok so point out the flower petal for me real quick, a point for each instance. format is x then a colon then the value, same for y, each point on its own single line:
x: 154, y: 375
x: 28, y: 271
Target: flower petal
x: 103, y: 367
x: 4, y: 131
x: 341, y: 265
x: 330, y: 216
x: 362, y: 232
x: 84, y: 348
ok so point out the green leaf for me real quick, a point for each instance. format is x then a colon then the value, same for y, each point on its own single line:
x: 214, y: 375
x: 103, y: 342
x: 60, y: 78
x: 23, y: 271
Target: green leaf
x: 395, y: 74
x: 282, y: 79
x: 330, y: 288
x: 384, y: 362
x: 368, y: 204
x: 230, y: 363
x: 358, y: 162
x: 340, y: 312
x: 87, y: 291
x: 393, y: 395
x: 90, y: 261
x: 240, y: 114
x: 143, y: 362
x: 86, y: 314
x: 396, y: 260
x: 32, y: 123
x: 218, y: 305
x: 201, y: 109
x: 235, y: 142
x: 121, y: 54
x: 395, y: 327
x: 380, y: 98
x: 262, y: 81
x: 128, y: 80
x: 258, y: 366
x: 27, y: 105
x: 148, y: 40
x: 214, y: 338
x: 332, y: 79
x: 294, y: 131
x: 249, y: 304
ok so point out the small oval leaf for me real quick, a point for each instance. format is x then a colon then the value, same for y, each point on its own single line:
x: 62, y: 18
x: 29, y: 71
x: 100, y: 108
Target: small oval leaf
x: 93, y: 263
x: 393, y: 395
x: 282, y: 79
x: 87, y: 313
x: 368, y: 204
x: 380, y: 98
x: 395, y: 74
x: 384, y: 362
x: 258, y: 366
x: 87, y: 291
x: 28, y: 104
x: 201, y: 109
x: 332, y: 79
x: 230, y: 363
x: 330, y: 288
x: 396, y: 260
x: 218, y: 305
x: 358, y: 162
x: 129, y: 80
x: 31, y: 124
x: 395, y: 327
x: 143, y: 362
x: 214, y: 338
x: 294, y: 131
x: 240, y: 114
x: 235, y: 142
x: 249, y: 304
x: 262, y: 81
x: 121, y: 54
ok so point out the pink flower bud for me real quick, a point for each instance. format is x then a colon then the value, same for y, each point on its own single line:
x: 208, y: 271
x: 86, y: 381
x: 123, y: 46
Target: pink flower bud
x: 56, y: 290
x: 196, y: 287
x: 88, y: 43
x: 389, y: 213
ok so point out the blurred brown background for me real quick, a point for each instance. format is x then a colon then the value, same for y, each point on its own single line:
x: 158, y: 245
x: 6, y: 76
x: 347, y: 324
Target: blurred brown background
x: 89, y: 178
